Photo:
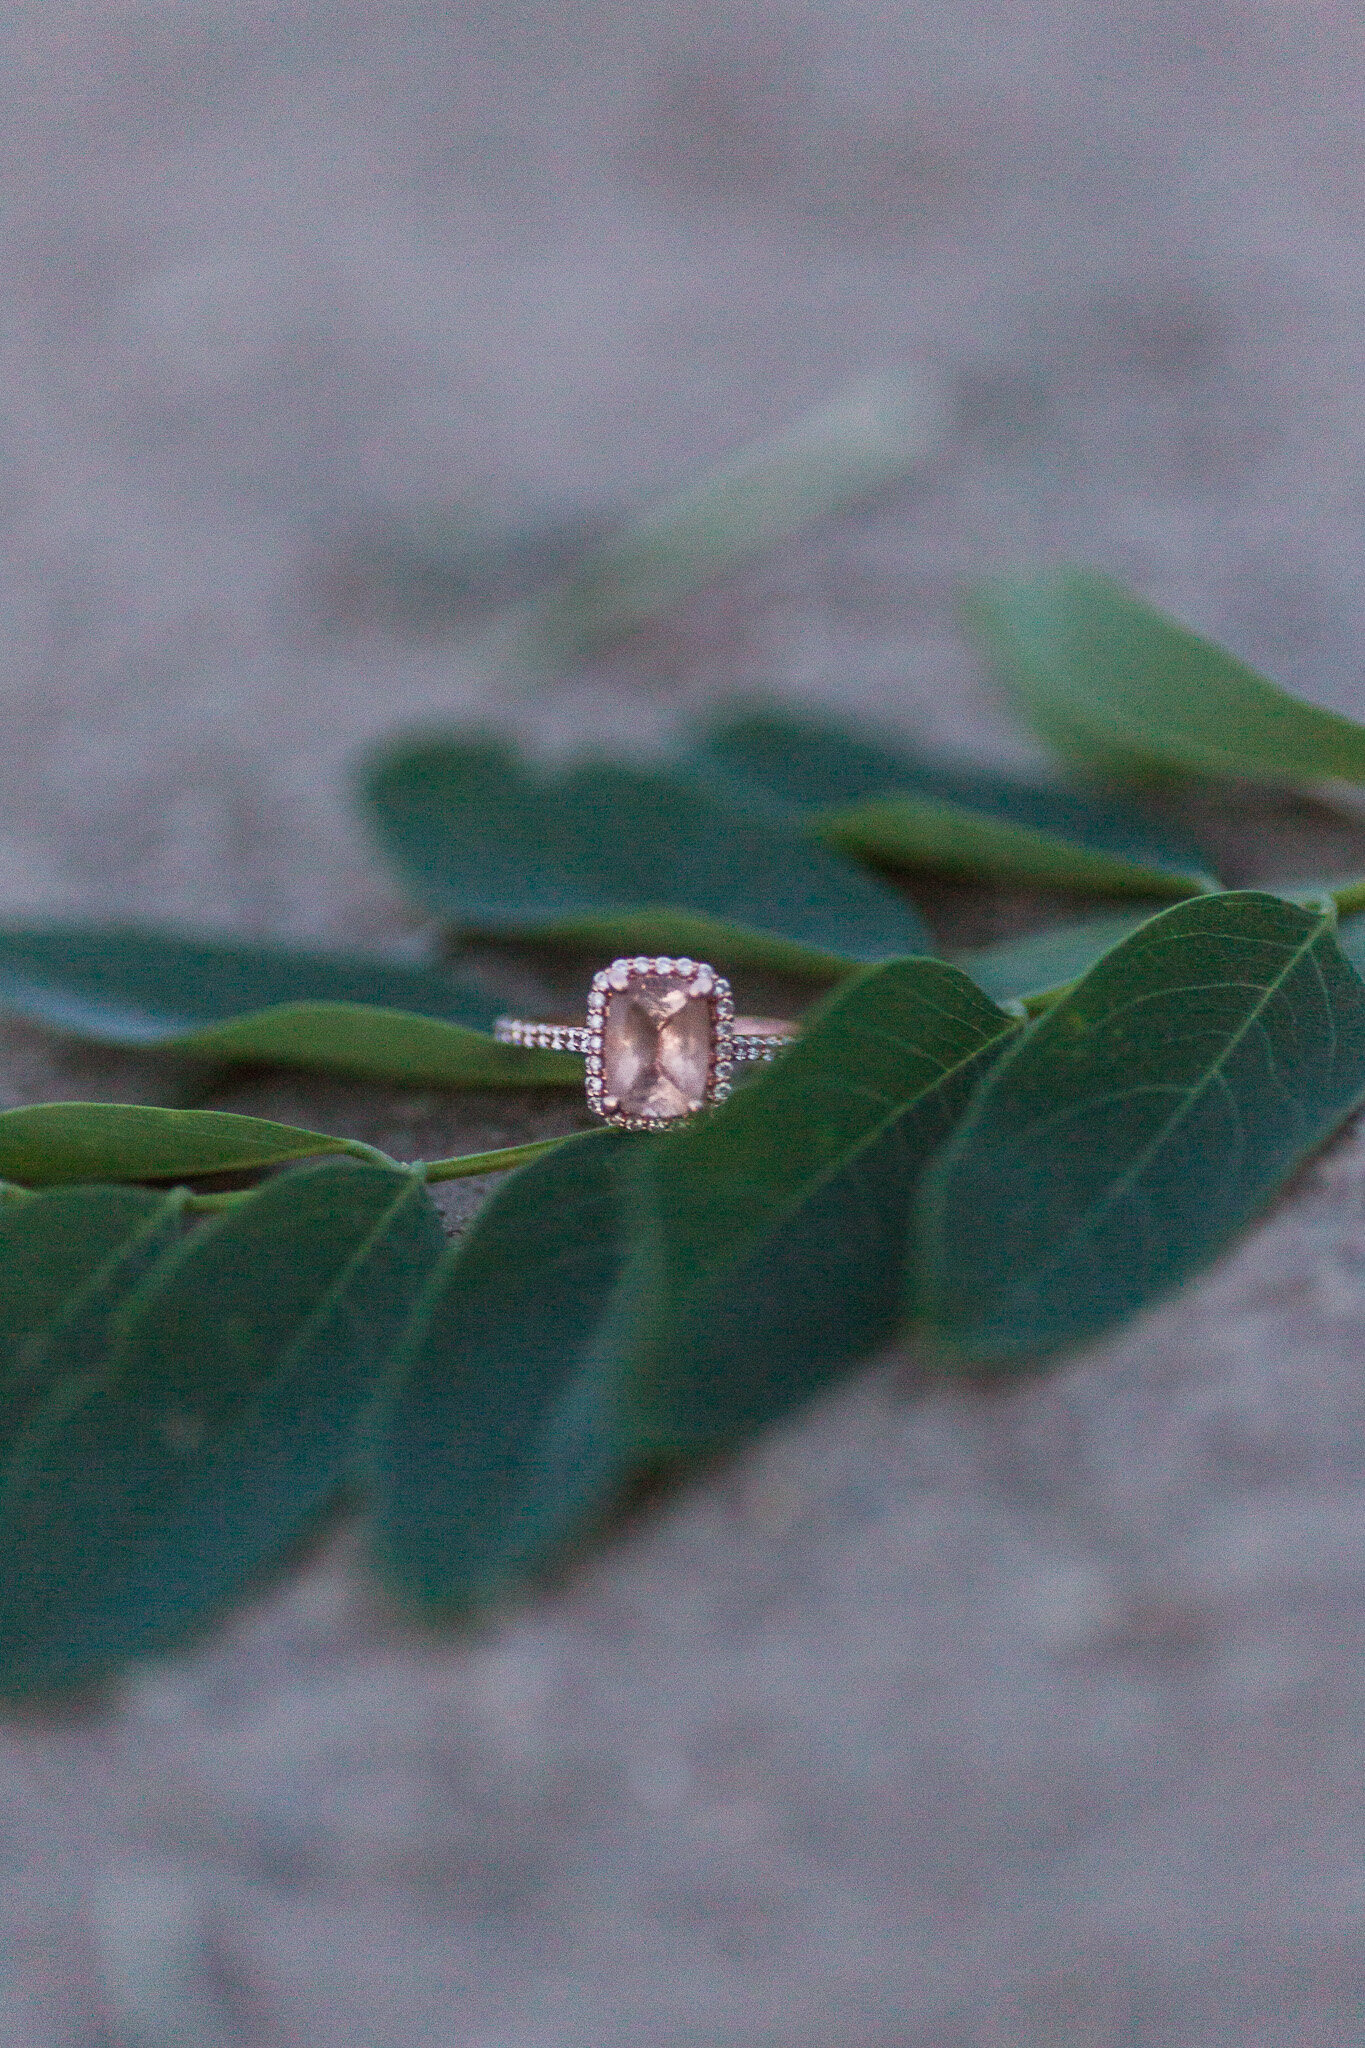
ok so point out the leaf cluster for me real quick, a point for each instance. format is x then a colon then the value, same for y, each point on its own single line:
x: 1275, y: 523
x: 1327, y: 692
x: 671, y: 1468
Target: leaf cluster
x: 1008, y: 1153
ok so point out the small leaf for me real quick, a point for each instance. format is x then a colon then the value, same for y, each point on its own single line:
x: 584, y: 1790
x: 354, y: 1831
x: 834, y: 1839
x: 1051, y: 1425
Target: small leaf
x: 865, y: 439
x: 860, y: 795
x: 228, y: 1001
x: 1118, y: 685
x: 769, y: 1236
x: 1032, y: 969
x: 624, y: 861
x: 208, y: 1416
x: 499, y: 1435
x: 52, y: 1142
x: 1134, y: 1129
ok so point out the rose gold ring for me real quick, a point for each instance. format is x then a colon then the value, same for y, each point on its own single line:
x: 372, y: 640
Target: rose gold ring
x: 660, y: 1042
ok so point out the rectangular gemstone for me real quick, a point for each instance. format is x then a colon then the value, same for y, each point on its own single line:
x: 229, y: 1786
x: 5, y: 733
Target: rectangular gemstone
x: 657, y: 1042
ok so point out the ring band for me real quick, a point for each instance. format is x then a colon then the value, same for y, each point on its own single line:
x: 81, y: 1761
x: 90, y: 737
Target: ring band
x: 660, y: 1042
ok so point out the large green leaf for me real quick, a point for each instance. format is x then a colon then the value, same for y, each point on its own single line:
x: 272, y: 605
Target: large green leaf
x: 1117, y: 684
x: 1032, y: 969
x: 862, y: 795
x: 53, y: 1142
x: 231, y: 1001
x: 768, y: 1238
x: 500, y: 1434
x: 624, y: 861
x: 205, y: 1415
x: 1139, y: 1124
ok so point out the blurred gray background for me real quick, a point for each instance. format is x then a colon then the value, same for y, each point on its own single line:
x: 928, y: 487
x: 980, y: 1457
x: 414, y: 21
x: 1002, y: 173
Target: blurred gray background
x: 954, y: 1723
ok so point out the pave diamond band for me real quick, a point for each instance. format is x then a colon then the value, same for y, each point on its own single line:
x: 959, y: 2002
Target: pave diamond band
x: 541, y: 1037
x: 660, y: 1042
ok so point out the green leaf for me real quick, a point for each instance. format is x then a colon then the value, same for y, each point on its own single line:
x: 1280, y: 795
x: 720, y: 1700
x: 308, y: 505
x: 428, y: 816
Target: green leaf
x: 1139, y: 1124
x: 1032, y: 969
x: 52, y: 1142
x: 623, y: 861
x: 860, y: 795
x: 499, y: 1436
x: 206, y: 1416
x: 867, y: 438
x: 1120, y: 686
x: 768, y: 1237
x: 230, y: 1001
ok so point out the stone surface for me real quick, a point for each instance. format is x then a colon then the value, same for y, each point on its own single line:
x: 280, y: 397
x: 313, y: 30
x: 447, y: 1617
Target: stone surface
x: 939, y: 1718
x: 657, y: 1041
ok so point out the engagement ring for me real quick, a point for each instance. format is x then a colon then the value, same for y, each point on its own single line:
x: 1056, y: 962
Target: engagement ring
x: 661, y: 1041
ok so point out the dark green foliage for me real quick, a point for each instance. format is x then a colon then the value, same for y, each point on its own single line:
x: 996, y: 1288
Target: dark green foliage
x: 864, y: 796
x: 1115, y: 684
x: 179, y: 1399
x: 233, y: 1003
x: 1138, y: 1125
x: 200, y: 1408
x: 625, y: 862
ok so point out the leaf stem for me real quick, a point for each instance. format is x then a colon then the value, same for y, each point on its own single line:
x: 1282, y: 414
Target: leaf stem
x: 488, y: 1162
x: 462, y: 1167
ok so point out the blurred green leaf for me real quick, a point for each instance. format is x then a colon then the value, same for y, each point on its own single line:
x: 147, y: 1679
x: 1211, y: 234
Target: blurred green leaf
x: 201, y: 1414
x: 53, y: 1142
x: 624, y: 861
x: 500, y: 1435
x: 867, y: 438
x: 233, y: 1002
x: 1138, y: 1124
x: 769, y: 1237
x: 860, y: 795
x: 1118, y: 685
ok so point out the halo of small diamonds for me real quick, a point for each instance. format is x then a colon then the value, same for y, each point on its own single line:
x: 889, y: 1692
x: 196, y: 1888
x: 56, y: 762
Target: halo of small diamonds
x: 702, y: 981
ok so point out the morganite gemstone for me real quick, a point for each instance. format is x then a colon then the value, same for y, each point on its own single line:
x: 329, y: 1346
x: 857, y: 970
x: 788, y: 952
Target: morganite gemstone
x: 656, y: 1048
